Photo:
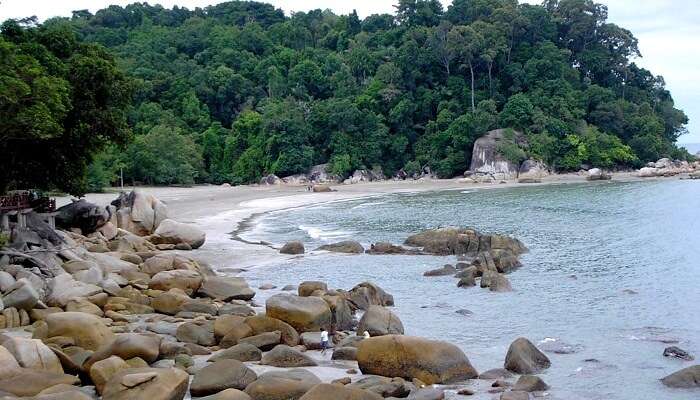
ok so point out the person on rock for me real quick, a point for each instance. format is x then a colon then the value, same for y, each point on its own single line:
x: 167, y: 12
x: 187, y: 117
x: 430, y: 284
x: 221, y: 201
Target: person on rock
x: 324, y: 341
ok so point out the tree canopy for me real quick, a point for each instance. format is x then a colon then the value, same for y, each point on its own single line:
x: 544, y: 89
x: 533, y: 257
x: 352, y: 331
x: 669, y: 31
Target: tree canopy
x: 231, y: 92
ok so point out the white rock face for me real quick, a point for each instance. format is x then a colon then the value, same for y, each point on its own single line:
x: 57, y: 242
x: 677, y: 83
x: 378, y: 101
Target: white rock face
x: 143, y: 215
x: 175, y: 232
x: 486, y: 160
x: 648, y: 172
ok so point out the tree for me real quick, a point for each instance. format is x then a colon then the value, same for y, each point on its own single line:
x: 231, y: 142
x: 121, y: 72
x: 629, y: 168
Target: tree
x: 467, y: 43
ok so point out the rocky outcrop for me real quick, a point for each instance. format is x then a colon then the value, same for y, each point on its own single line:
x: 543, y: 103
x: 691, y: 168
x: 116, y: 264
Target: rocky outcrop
x: 463, y: 241
x: 139, y: 213
x: 487, y: 160
x: 411, y: 357
x: 597, y: 174
x: 294, y: 247
x: 666, y: 168
x: 364, y: 175
x: 346, y: 246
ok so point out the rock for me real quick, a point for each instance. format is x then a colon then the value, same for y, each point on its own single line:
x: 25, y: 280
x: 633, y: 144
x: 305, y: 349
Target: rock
x: 235, y: 334
x: 225, y: 323
x: 267, y: 286
x: 191, y: 332
x: 304, y: 314
x: 6, y: 281
x: 346, y: 246
x: 263, y: 341
x: 221, y: 375
x: 486, y: 158
x: 389, y: 248
x: 139, y: 213
x: 344, y: 353
x: 188, y: 281
x: 596, y: 174
x: 173, y: 232
x: 648, y: 172
x: 327, y: 391
x: 366, y: 294
x: 307, y: 288
x: 242, y: 352
x: 228, y: 394
x: 686, y: 378
x: 533, y: 170
x: 261, y: 324
x: 33, y: 354
x: 322, y: 189
x: 496, y: 373
x: 385, y: 387
x: 293, y: 247
x: 379, y: 321
x: 282, y: 385
x: 242, y: 310
x: 515, y: 395
x: 677, y: 352
x: 83, y: 305
x: 102, y: 371
x: 20, y: 295
x: 427, y: 394
x: 87, y: 331
x: 412, y: 357
x: 446, y: 270
x: 127, y: 346
x: 499, y: 283
x: 524, y: 358
x: 80, y: 214
x: 170, y: 302
x: 158, y: 263
x: 147, y: 383
x: 226, y: 288
x: 311, y: 340
x: 284, y: 356
x: 271, y: 180
x: 530, y: 383
x: 64, y: 288
x: 26, y: 382
x: 342, y: 317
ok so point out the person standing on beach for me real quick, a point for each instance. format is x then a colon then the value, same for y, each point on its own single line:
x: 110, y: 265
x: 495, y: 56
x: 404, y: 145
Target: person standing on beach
x: 324, y: 340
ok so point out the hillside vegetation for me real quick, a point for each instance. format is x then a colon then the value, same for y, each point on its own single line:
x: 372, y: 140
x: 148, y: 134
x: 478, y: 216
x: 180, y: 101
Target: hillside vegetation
x: 238, y: 90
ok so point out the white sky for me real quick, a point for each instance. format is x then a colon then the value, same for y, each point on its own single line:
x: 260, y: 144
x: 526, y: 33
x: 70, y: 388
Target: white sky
x: 668, y: 32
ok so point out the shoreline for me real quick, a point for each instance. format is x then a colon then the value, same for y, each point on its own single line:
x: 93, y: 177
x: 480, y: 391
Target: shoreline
x: 225, y: 213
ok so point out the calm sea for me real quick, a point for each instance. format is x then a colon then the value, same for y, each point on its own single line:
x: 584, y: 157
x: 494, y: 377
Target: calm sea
x: 612, y: 276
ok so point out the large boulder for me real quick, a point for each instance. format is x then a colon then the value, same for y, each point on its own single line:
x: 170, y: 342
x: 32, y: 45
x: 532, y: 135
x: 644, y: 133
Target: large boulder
x: 242, y: 352
x: 33, y: 354
x: 173, y: 232
x: 221, y: 375
x: 307, y: 288
x: 226, y: 288
x: 524, y: 358
x: 80, y: 214
x: 366, y: 294
x: 487, y: 158
x: 27, y: 382
x: 649, y: 172
x: 86, y: 330
x: 139, y: 213
x: 192, y: 332
x: 284, y: 356
x: 410, y: 357
x: 327, y: 391
x: 597, y: 174
x: 147, y: 383
x: 305, y: 314
x: 102, y: 371
x: 685, y: 378
x: 282, y: 385
x: 379, y: 321
x: 341, y: 311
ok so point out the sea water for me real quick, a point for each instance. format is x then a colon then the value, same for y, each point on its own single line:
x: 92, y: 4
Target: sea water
x: 612, y: 276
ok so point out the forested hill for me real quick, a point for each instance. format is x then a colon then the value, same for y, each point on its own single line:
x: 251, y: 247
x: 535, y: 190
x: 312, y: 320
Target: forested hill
x: 237, y: 90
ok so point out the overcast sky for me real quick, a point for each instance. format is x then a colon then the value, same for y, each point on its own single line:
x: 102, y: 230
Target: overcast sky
x: 668, y: 33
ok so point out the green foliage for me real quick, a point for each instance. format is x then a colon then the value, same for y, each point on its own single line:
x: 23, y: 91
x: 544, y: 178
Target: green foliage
x: 61, y: 102
x: 4, y: 240
x: 244, y: 91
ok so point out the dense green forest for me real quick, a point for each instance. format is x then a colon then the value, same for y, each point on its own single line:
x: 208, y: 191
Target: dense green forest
x: 232, y: 92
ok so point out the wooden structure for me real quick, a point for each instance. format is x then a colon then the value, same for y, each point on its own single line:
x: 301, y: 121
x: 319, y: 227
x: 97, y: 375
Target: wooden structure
x: 18, y: 204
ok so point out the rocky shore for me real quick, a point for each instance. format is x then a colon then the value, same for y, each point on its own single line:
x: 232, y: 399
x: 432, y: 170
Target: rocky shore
x: 112, y: 306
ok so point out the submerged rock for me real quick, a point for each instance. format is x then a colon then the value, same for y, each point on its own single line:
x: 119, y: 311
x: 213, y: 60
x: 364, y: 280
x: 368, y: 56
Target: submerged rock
x: 293, y: 247
x: 346, y: 246
x: 677, y: 352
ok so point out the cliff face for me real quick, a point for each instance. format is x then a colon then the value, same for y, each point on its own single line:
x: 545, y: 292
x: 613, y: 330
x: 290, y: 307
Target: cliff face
x: 486, y: 159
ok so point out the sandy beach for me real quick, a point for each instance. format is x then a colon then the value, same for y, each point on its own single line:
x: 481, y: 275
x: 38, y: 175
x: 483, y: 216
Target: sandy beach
x: 223, y: 210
